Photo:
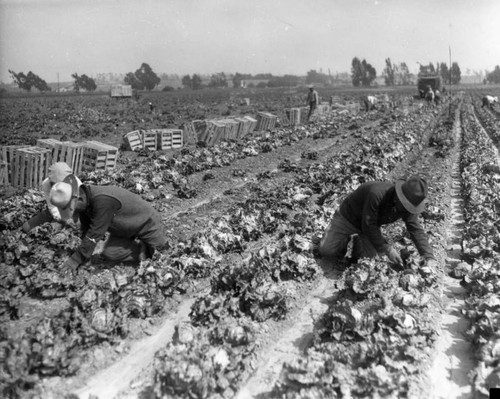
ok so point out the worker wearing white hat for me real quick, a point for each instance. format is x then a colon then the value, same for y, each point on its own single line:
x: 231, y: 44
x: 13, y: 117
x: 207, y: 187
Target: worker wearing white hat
x: 57, y: 172
x: 134, y: 226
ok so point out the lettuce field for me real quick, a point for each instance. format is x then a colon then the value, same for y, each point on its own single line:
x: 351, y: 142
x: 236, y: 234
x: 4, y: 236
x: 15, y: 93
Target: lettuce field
x: 240, y: 306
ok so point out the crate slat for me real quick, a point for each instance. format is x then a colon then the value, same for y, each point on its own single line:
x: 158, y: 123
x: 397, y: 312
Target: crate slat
x: 149, y: 139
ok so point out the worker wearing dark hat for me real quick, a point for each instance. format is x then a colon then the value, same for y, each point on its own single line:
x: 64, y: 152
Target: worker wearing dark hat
x: 135, y: 228
x: 57, y: 172
x: 374, y: 204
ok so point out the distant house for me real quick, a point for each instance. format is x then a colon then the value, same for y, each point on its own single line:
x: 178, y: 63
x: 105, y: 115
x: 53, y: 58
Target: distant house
x: 253, y: 82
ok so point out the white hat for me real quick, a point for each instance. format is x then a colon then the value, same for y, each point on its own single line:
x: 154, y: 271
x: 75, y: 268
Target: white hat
x: 58, y: 171
x: 64, y: 194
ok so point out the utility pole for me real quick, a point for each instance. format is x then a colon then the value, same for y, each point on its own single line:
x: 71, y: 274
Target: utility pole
x: 58, y: 82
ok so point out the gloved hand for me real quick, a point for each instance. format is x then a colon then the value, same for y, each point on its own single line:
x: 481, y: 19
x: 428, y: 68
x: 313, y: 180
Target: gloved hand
x: 394, y: 256
x: 69, y: 268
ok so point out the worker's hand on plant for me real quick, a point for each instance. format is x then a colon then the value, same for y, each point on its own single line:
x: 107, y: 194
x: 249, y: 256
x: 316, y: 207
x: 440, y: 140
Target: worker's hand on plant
x: 394, y: 256
x: 69, y: 267
x: 431, y: 263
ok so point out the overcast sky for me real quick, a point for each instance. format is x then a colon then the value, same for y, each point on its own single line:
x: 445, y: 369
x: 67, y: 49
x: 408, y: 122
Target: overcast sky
x: 247, y: 36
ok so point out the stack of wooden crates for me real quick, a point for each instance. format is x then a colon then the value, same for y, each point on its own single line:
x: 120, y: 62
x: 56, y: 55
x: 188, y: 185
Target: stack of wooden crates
x: 154, y: 139
x: 27, y: 166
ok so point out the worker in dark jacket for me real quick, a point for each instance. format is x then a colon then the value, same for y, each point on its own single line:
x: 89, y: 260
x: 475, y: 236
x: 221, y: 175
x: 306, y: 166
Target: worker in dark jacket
x: 374, y: 204
x: 135, y: 228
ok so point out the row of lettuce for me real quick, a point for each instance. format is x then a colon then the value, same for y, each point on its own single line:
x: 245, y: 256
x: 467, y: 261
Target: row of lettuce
x: 480, y: 169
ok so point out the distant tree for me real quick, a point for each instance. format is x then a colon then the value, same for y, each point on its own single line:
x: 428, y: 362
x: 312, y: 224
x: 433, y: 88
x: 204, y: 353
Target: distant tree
x: 142, y: 78
x: 239, y: 77
x: 389, y: 72
x: 196, y: 82
x: 83, y: 82
x: 455, y: 73
x: 146, y: 75
x: 131, y: 79
x: 168, y: 88
x: 187, y: 82
x: 317, y: 77
x: 283, y: 81
x: 362, y: 73
x: 218, y: 80
x: 261, y: 85
x: 264, y: 76
x: 494, y: 76
x: 404, y: 73
x: 27, y: 82
x: 444, y: 72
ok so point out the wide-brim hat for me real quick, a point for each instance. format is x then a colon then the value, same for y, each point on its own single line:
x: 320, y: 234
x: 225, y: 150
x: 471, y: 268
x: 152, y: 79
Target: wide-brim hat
x: 412, y: 193
x: 58, y: 171
x: 64, y: 195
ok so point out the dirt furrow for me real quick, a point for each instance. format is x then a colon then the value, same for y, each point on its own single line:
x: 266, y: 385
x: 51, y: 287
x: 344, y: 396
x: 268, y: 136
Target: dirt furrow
x: 453, y: 360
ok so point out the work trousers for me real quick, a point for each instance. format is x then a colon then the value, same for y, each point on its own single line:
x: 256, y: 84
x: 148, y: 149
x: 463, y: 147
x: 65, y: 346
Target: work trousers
x: 128, y: 249
x: 312, y: 107
x: 336, y: 238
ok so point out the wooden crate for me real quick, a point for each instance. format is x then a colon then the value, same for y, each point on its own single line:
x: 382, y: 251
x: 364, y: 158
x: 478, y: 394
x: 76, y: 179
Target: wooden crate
x: 169, y: 138
x: 232, y: 126
x: 253, y: 123
x: 54, y: 145
x: 243, y: 127
x: 134, y: 140
x: 30, y: 165
x: 98, y: 156
x: 72, y: 154
x: 189, y: 133
x: 265, y: 121
x: 7, y: 156
x: 304, y: 111
x: 149, y: 139
x: 215, y: 130
x: 293, y: 115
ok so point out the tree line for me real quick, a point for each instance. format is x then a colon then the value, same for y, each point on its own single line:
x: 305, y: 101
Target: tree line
x: 362, y: 74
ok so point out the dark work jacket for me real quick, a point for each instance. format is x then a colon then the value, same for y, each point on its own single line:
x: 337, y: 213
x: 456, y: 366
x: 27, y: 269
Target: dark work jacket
x: 372, y: 205
x: 110, y: 209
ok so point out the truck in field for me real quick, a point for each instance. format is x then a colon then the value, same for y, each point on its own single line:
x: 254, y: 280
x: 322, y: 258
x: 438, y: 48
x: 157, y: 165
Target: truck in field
x: 426, y: 80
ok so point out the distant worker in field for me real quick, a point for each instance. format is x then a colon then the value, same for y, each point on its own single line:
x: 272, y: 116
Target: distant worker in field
x: 437, y: 97
x: 488, y: 101
x: 369, y: 102
x: 370, y: 206
x: 135, y: 228
x: 57, y: 172
x: 312, y: 101
x: 429, y: 95
x: 151, y: 107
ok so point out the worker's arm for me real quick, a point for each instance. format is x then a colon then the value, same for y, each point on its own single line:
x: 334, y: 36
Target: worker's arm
x: 418, y: 236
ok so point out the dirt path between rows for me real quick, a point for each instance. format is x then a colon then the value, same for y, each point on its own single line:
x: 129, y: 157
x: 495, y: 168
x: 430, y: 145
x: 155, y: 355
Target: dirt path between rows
x: 454, y: 358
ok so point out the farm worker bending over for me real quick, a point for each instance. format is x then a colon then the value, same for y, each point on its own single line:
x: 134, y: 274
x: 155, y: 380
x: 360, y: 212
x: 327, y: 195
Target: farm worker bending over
x: 488, y: 101
x: 369, y: 102
x: 57, y: 172
x: 312, y: 101
x: 135, y: 228
x: 371, y: 205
